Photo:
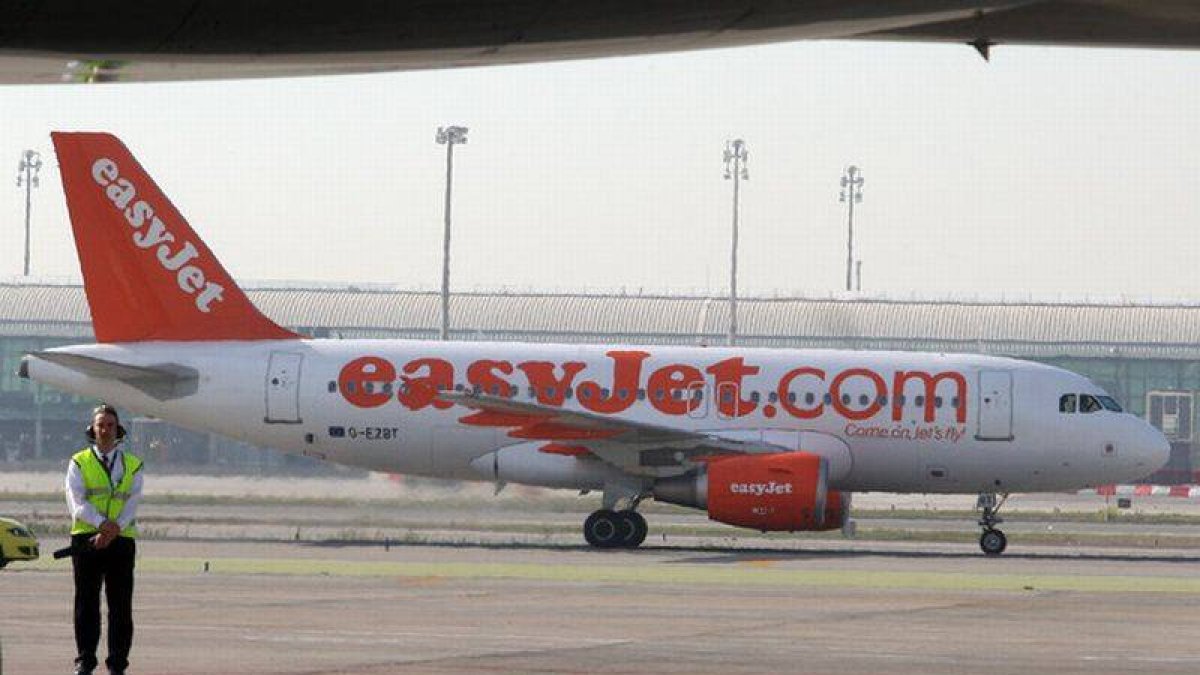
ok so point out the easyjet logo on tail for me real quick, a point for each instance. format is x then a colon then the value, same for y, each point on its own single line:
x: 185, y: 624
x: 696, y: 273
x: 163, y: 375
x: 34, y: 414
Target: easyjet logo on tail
x: 150, y: 233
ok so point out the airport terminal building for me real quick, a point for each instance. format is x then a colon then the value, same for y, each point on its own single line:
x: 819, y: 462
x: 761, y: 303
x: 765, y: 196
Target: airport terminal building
x: 1146, y: 355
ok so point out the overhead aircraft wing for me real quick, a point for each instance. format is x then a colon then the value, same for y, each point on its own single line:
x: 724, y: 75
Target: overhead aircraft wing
x: 634, y: 446
x: 1078, y: 23
x: 57, y: 42
x: 162, y: 381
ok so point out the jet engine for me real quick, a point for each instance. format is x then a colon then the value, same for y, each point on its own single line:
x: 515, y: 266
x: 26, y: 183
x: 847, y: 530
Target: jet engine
x: 784, y: 491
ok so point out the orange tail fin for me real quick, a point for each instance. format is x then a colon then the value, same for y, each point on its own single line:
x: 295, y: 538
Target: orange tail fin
x: 146, y: 273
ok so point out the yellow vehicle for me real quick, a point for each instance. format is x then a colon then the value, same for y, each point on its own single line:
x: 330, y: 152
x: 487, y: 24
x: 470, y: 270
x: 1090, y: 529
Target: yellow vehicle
x: 16, y: 542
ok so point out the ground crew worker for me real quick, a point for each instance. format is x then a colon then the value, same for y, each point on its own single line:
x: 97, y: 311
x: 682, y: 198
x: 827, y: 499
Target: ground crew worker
x: 104, y: 486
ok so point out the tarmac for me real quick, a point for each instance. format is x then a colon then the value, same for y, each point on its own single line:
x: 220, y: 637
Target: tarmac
x: 221, y: 606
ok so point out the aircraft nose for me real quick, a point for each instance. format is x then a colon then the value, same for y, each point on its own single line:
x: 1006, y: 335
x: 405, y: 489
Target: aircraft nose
x: 1155, y: 448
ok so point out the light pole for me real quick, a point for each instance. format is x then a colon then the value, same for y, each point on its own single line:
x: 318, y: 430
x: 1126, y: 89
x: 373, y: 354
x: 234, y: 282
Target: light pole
x: 858, y: 275
x: 449, y: 137
x: 735, y: 170
x: 27, y: 177
x: 852, y: 182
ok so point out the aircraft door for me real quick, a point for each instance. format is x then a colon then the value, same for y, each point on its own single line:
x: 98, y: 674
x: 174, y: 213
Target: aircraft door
x: 995, y: 406
x: 283, y: 388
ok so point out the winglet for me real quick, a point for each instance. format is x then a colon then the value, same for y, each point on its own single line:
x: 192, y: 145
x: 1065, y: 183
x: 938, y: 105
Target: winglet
x: 146, y: 273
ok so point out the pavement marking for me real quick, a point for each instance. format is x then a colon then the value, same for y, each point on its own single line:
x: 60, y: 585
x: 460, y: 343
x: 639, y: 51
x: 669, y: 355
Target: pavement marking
x: 669, y: 573
x: 1143, y: 659
x: 261, y: 634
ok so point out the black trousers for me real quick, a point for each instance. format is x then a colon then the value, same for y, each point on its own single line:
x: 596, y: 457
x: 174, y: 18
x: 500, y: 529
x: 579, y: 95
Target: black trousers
x: 112, y: 568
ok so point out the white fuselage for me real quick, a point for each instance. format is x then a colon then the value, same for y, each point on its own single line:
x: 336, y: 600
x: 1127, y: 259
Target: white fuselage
x: 890, y: 421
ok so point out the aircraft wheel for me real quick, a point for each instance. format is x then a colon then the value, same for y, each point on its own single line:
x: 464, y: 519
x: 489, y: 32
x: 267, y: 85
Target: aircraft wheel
x: 993, y: 542
x: 633, y: 528
x: 602, y: 529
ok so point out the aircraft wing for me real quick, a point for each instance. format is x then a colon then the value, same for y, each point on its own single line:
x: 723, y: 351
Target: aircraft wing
x: 633, y: 446
x: 1095, y: 23
x: 56, y: 42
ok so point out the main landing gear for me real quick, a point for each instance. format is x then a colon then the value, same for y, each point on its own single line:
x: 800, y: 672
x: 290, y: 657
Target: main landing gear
x: 992, y: 541
x: 617, y: 524
x: 615, y: 529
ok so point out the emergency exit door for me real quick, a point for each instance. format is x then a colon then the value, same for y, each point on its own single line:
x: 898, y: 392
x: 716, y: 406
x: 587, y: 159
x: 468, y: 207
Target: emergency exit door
x: 283, y: 388
x: 995, y: 406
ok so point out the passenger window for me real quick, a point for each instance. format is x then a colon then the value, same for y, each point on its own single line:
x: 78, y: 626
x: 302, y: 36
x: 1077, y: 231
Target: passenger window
x: 772, y: 397
x: 809, y: 399
x: 828, y: 399
x: 937, y: 401
x: 332, y: 387
x: 863, y: 400
x: 387, y: 387
x: 1066, y: 404
x: 919, y: 401
x: 1089, y: 404
x: 641, y: 394
x: 754, y: 396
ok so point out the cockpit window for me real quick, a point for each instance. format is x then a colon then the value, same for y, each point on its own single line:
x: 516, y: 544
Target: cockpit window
x: 1066, y: 404
x: 1110, y: 403
x: 1089, y: 404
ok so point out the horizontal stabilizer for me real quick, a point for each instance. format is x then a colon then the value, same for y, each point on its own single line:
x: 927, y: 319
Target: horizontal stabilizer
x: 160, y: 381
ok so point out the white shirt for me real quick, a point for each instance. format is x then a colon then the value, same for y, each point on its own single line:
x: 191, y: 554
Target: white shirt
x: 82, y: 509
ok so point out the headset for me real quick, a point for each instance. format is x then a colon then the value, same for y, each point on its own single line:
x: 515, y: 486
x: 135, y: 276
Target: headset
x: 104, y: 409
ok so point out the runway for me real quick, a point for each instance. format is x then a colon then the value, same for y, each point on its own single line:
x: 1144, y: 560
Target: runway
x: 272, y: 607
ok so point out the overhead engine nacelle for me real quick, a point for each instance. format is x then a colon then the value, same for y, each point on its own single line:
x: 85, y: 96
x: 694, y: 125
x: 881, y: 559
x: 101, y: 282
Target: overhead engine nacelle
x: 778, y: 492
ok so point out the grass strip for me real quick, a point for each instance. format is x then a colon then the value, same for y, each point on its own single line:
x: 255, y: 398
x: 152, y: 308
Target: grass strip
x: 584, y: 505
x: 745, y: 573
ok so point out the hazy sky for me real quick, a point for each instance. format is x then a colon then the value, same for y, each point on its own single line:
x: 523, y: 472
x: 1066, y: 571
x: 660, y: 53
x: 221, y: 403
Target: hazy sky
x: 1048, y: 172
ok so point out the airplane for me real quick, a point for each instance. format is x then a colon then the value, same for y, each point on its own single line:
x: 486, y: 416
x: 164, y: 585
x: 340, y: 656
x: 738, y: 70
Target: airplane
x: 56, y: 42
x: 767, y: 439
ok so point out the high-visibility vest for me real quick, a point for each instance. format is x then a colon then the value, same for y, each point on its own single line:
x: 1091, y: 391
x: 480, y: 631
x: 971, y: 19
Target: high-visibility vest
x: 108, y: 499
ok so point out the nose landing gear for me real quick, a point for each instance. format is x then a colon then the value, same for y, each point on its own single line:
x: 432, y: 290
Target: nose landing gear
x: 992, y: 541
